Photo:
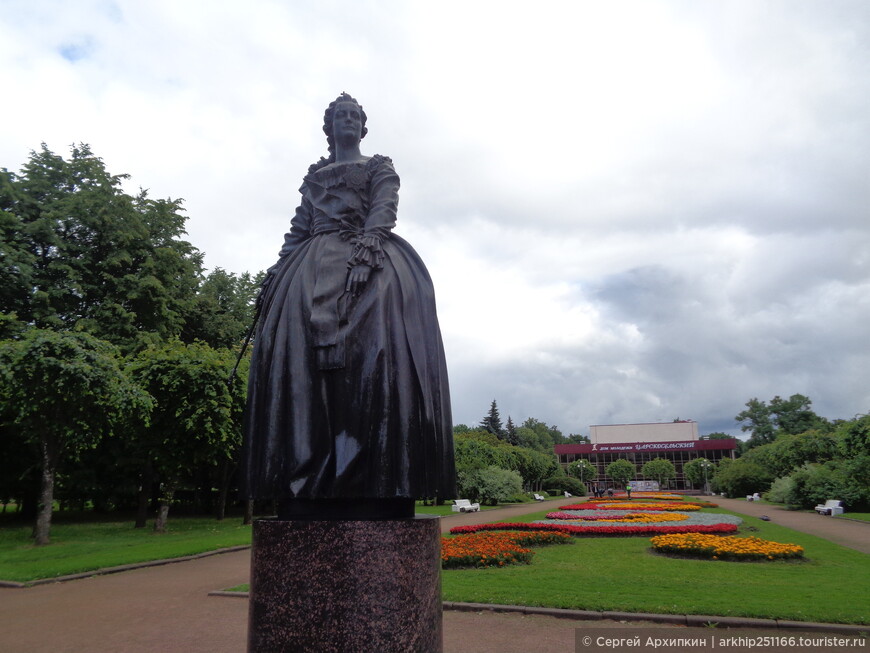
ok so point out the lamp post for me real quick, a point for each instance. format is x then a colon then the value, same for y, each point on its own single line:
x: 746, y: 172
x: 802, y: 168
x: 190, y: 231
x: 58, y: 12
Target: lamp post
x: 705, y: 464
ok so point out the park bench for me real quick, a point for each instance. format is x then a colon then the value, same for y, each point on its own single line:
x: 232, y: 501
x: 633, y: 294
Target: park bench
x: 568, y: 495
x: 538, y: 497
x: 464, y: 505
x: 830, y: 507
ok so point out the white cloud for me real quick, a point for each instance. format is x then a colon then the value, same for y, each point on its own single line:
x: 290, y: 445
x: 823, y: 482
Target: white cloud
x: 631, y: 212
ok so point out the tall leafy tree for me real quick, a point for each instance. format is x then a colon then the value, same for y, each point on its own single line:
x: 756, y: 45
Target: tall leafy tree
x: 195, y: 421
x: 795, y: 415
x: 79, y: 253
x: 699, y: 471
x: 63, y: 392
x: 659, y: 469
x: 620, y: 471
x: 756, y: 419
x: 221, y: 312
x: 583, y: 470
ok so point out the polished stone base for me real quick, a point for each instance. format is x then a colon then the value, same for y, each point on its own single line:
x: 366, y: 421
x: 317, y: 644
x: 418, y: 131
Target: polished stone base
x: 340, y: 586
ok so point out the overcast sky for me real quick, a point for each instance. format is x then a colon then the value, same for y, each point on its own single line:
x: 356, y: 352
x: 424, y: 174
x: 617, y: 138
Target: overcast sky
x: 631, y: 211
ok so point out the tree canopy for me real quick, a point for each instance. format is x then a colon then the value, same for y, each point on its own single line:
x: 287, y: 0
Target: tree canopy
x: 79, y: 253
x: 63, y: 392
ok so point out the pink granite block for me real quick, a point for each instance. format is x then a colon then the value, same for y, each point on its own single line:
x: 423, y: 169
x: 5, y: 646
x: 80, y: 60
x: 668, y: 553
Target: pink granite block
x: 346, y: 586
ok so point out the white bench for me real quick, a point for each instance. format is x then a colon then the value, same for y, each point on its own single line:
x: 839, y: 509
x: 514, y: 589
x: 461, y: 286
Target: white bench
x: 753, y: 497
x: 568, y: 495
x: 464, y: 505
x: 538, y: 497
x: 830, y: 507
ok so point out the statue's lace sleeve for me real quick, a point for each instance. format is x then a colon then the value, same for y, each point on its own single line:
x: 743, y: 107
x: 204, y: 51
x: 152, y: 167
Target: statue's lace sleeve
x: 381, y: 217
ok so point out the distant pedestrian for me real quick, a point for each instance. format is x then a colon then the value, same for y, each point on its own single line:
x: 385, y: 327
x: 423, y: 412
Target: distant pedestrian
x: 628, y: 489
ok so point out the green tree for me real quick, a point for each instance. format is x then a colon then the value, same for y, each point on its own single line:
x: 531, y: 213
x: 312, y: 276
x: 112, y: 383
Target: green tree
x: 81, y: 254
x: 510, y: 431
x: 699, y: 471
x: 63, y: 392
x: 795, y: 415
x: 194, y: 422
x: 535, y: 434
x: 221, y: 312
x: 757, y: 420
x: 492, y: 421
x: 583, y: 470
x: 576, y: 438
x: 620, y: 471
x: 659, y: 469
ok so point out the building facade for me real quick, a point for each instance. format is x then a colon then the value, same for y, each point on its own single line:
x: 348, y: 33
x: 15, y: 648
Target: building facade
x: 642, y: 443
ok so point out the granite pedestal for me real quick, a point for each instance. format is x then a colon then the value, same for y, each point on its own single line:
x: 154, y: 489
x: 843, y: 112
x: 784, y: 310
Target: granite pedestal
x: 342, y: 586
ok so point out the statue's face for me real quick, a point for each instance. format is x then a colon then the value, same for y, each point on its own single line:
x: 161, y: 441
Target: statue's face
x: 347, y: 123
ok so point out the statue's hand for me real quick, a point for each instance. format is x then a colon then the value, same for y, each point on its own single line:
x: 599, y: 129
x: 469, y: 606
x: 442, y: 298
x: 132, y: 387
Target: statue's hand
x: 357, y: 278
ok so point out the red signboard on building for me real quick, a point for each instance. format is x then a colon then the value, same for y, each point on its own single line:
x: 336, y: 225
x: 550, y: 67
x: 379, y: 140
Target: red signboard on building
x: 636, y: 447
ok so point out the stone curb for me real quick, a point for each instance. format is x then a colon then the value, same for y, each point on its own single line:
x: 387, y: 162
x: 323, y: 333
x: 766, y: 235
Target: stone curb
x: 692, y: 620
x: 115, y: 570
x: 683, y: 620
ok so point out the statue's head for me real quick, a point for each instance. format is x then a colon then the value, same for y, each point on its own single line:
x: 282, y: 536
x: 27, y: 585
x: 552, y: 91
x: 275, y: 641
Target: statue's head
x: 329, y: 115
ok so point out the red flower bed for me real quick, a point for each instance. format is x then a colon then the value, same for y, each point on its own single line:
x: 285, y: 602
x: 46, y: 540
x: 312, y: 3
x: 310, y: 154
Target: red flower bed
x: 618, y: 531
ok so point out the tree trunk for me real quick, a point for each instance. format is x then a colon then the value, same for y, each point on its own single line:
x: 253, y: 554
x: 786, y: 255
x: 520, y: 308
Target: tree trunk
x: 224, y: 490
x: 249, y: 512
x: 163, y: 510
x: 144, y: 495
x: 46, y: 494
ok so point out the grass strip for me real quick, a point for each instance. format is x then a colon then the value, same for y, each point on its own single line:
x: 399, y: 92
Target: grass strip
x: 82, y: 547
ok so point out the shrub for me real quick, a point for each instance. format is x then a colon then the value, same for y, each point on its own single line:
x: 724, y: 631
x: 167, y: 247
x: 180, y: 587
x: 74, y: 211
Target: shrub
x: 560, y: 484
x: 490, y: 485
x: 741, y: 478
x: 779, y: 490
x: 815, y: 483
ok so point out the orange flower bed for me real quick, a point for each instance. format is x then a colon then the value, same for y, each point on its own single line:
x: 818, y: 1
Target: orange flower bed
x: 718, y: 547
x: 495, y: 549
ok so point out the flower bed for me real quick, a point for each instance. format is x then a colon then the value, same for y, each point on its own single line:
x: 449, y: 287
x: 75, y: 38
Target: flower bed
x: 648, y: 517
x: 599, y: 530
x: 626, y: 505
x: 495, y: 549
x: 724, y: 548
x: 687, y: 519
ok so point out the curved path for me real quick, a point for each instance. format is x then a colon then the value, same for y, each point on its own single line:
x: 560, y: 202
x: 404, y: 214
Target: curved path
x: 167, y: 609
x: 853, y: 534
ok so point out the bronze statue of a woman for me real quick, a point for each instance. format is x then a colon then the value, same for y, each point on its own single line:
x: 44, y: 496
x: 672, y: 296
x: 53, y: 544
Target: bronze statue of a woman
x: 348, y: 413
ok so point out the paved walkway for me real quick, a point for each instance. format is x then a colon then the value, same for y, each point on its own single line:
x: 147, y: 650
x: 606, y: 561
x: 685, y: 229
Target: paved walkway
x: 167, y: 609
x: 852, y: 534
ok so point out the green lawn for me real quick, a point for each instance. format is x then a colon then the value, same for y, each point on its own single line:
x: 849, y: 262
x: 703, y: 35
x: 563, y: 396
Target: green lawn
x: 861, y: 516
x: 602, y: 573
x: 608, y: 573
x: 78, y: 547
